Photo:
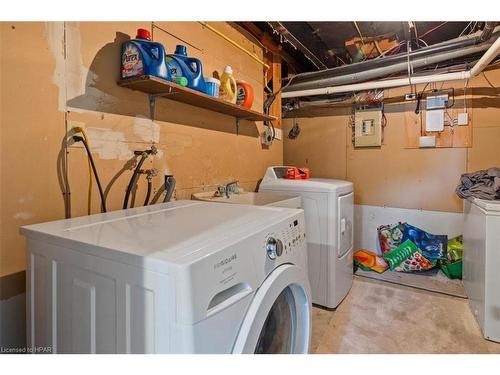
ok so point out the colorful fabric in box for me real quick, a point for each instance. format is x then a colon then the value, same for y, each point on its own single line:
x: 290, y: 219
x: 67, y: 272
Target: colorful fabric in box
x: 369, y: 261
x: 407, y: 257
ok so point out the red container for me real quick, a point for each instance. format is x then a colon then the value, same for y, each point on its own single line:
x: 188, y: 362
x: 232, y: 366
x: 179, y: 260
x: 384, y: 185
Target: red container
x: 294, y: 173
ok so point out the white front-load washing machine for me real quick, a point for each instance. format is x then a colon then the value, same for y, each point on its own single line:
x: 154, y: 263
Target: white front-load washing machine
x: 179, y: 277
x: 329, y: 209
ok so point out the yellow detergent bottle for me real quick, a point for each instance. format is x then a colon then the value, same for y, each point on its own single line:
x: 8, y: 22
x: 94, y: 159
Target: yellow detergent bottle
x: 228, y: 88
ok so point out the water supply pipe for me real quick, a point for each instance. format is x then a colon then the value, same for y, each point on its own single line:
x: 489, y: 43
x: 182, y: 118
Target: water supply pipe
x: 487, y: 58
x: 234, y: 43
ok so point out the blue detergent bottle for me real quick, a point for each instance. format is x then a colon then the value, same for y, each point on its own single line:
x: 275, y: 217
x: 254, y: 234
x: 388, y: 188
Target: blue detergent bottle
x: 141, y: 56
x: 180, y: 64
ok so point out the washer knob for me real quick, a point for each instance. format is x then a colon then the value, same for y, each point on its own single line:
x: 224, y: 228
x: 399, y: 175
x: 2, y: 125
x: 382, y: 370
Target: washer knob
x: 274, y: 248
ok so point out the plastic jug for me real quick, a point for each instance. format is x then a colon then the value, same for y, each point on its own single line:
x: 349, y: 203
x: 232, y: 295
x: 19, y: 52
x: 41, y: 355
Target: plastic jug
x: 228, y: 87
x: 141, y: 56
x: 180, y: 64
x: 244, y: 96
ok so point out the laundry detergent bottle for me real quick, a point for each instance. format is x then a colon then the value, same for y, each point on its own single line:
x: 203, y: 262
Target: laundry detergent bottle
x: 181, y: 65
x: 228, y: 87
x: 141, y: 56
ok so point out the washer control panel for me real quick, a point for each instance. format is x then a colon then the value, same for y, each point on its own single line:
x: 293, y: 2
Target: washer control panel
x: 285, y: 241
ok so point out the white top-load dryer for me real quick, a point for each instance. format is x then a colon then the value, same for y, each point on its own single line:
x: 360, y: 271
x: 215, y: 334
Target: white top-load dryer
x: 179, y: 277
x: 329, y: 209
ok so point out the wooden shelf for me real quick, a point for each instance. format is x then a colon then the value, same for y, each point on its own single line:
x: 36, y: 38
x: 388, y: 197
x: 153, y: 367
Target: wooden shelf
x: 170, y: 90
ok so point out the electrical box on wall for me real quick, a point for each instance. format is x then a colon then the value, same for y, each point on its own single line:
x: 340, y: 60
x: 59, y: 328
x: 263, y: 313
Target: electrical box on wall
x: 368, y: 128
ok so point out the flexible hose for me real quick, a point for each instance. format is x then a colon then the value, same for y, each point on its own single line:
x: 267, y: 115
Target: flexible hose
x: 169, y: 187
x: 94, y: 169
x: 89, y: 193
x: 148, y: 194
x: 133, y: 179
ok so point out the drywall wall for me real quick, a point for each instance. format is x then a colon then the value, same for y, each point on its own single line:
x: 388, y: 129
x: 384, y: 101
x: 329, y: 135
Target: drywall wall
x: 392, y: 175
x: 59, y: 75
x: 368, y: 218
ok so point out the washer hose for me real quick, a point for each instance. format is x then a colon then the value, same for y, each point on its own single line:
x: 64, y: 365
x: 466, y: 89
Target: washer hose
x: 133, y: 179
x: 77, y: 138
x: 148, y: 194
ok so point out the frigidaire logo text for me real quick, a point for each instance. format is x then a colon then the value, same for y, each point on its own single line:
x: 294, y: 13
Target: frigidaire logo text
x: 223, y: 262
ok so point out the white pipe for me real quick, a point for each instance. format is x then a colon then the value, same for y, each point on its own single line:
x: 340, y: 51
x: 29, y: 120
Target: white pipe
x: 488, y: 56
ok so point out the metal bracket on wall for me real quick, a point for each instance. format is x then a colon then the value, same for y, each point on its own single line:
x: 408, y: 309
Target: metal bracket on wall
x: 152, y: 102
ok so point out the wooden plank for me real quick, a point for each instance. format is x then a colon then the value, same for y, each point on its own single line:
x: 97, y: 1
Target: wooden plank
x: 275, y: 109
x: 173, y: 91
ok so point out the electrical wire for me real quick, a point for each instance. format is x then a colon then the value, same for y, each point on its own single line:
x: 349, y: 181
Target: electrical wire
x: 466, y: 27
x: 487, y: 80
x: 94, y: 169
x: 359, y: 32
x: 433, y: 29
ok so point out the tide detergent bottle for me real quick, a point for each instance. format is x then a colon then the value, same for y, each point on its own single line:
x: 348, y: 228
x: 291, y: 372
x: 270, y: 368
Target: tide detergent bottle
x: 141, y: 56
x: 181, y: 65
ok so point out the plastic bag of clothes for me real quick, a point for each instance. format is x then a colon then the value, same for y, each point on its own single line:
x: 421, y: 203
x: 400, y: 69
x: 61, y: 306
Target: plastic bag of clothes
x: 407, y: 257
x: 390, y: 236
x: 369, y: 261
x: 432, y: 246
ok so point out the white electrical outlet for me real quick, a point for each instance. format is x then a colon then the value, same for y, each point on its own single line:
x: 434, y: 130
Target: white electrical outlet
x: 463, y: 118
x: 75, y: 124
x: 71, y: 130
x: 427, y: 141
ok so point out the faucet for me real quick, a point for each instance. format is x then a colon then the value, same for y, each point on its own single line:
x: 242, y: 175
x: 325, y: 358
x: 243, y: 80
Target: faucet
x: 229, y: 187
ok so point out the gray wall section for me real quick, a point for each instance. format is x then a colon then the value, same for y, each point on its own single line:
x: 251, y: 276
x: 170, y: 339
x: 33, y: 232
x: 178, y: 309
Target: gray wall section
x: 13, y: 322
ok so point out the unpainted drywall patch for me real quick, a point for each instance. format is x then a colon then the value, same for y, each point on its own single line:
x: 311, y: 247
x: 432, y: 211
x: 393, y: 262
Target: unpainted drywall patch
x: 146, y: 129
x: 76, y: 83
x: 109, y: 144
x: 23, y: 216
x: 54, y: 33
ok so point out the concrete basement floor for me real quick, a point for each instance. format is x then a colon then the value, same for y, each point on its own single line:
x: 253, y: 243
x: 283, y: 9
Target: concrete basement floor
x: 379, y: 317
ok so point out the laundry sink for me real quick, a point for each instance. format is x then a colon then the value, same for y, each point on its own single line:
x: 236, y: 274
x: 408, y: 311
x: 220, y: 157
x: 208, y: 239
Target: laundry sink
x: 256, y: 199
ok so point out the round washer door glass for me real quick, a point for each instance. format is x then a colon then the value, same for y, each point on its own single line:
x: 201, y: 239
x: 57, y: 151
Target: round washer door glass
x: 276, y: 336
x: 279, y: 317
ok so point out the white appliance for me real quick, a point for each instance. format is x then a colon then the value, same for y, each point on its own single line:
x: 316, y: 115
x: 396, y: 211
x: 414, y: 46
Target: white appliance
x: 329, y: 209
x: 179, y: 277
x: 481, y: 276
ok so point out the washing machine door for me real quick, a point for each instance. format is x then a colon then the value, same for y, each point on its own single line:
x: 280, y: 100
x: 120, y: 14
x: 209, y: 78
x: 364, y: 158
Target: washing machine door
x: 279, y: 317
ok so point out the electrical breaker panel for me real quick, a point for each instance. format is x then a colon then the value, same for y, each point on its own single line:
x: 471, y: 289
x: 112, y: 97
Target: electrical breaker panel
x: 368, y: 128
